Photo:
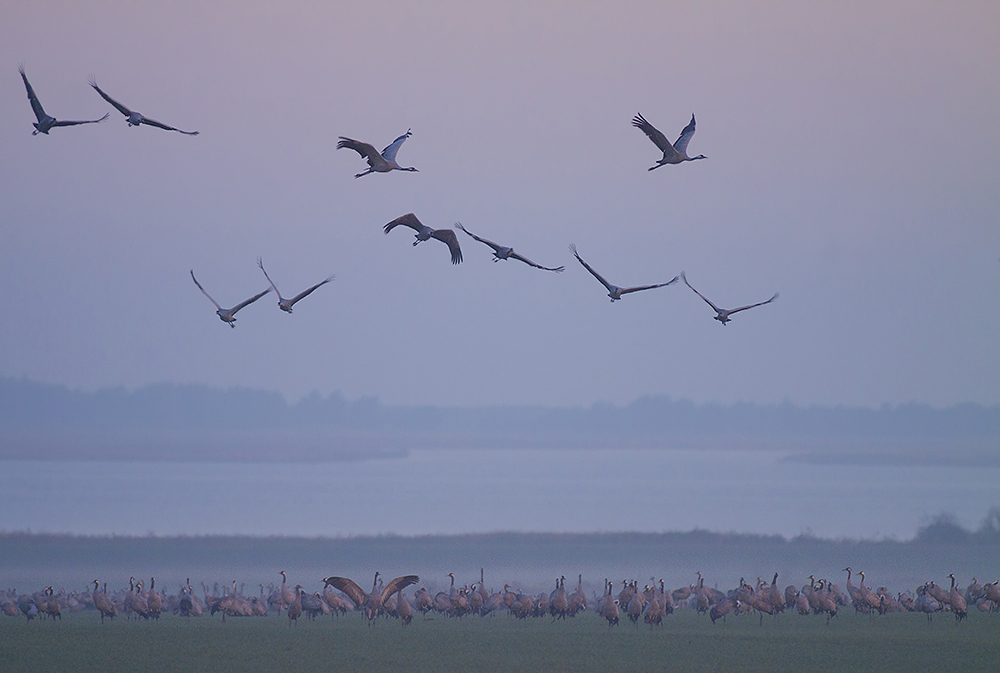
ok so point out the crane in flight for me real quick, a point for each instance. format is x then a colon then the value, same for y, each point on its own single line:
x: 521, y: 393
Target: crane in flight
x: 675, y: 153
x: 46, y: 122
x: 287, y: 304
x: 722, y: 314
x: 446, y: 236
x: 228, y: 315
x: 614, y: 291
x: 378, y: 162
x: 134, y: 118
x: 503, y: 252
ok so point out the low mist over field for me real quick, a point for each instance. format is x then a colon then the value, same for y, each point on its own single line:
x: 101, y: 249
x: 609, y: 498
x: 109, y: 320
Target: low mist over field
x: 531, y: 561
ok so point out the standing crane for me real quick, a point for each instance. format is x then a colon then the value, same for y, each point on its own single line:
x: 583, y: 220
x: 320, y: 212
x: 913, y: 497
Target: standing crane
x: 959, y: 606
x: 374, y: 600
x: 103, y: 603
x: 153, y: 600
x: 136, y: 601
x: 295, y: 607
x: 287, y: 593
x: 403, y: 608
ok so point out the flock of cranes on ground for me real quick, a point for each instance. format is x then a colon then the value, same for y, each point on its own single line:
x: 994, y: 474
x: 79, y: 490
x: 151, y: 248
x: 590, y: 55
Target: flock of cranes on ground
x: 384, y: 162
x: 652, y: 603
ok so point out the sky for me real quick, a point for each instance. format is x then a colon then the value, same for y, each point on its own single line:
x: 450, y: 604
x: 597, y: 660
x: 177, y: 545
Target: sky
x: 853, y: 166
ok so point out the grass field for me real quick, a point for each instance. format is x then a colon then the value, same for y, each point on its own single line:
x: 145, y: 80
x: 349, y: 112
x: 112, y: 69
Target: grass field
x: 685, y: 642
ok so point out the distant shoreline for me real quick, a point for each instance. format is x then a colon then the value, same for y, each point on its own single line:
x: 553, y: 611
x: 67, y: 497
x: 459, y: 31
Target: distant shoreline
x: 351, y: 450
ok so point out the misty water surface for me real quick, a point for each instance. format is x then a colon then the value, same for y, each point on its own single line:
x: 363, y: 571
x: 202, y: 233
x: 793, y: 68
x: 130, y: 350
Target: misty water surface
x: 453, y: 492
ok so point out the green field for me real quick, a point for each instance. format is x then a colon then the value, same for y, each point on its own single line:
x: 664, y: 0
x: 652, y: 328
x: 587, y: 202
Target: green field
x: 685, y: 642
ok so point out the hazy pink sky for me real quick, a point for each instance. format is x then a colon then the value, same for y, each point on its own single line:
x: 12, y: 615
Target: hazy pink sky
x: 853, y: 166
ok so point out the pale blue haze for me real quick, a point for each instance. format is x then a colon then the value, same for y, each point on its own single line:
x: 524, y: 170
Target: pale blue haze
x: 853, y: 166
x: 454, y: 492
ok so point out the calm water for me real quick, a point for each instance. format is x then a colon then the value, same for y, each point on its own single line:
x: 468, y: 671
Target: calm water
x: 448, y: 492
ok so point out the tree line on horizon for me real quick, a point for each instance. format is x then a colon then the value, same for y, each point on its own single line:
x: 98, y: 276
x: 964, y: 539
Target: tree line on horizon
x: 28, y: 406
x: 942, y: 529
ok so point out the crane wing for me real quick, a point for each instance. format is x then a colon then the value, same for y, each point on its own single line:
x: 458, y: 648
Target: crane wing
x: 389, y: 153
x: 410, y: 220
x: 203, y: 291
x: 349, y: 587
x: 274, y: 287
x: 448, y: 236
x: 655, y: 135
x: 650, y: 287
x: 395, y: 585
x: 682, y: 140
x: 493, y: 245
x: 115, y: 104
x: 558, y: 269
x: 63, y: 122
x: 743, y: 308
x: 609, y: 286
x: 306, y: 293
x: 716, y: 308
x: 161, y: 125
x: 364, y: 149
x: 36, y: 106
x: 250, y: 300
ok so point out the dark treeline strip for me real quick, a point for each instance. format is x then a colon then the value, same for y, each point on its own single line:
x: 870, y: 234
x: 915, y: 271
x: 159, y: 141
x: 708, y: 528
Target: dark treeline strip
x: 29, y: 407
x: 27, y: 547
x: 530, y: 561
